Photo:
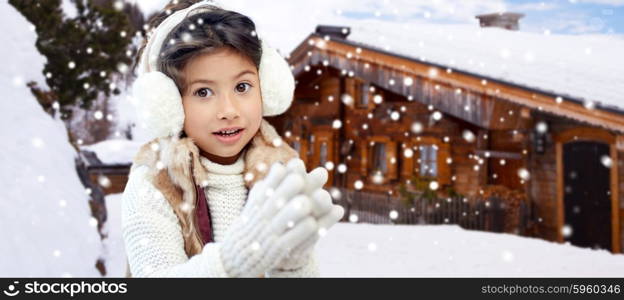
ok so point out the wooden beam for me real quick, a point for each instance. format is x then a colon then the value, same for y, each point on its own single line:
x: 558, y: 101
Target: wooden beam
x: 500, y: 154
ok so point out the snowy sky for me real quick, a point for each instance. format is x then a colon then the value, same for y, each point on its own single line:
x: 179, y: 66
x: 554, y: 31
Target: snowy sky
x: 301, y: 17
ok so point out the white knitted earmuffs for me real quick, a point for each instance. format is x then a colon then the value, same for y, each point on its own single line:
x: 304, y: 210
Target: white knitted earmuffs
x: 159, y: 103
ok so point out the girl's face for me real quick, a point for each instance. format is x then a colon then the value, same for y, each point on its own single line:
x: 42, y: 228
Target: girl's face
x: 223, y: 91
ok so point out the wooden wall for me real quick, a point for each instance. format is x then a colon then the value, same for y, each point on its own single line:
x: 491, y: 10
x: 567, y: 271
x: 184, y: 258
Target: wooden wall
x: 317, y: 105
x: 508, y: 137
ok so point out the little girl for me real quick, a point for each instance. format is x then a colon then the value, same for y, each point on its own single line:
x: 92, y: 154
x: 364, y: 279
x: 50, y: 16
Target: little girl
x: 205, y: 82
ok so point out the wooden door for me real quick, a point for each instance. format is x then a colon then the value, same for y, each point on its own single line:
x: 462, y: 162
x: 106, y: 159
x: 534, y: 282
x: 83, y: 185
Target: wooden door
x: 323, y: 152
x: 587, y: 195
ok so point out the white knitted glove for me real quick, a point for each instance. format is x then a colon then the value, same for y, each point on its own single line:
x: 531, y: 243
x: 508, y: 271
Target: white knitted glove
x: 322, y: 210
x: 274, y: 220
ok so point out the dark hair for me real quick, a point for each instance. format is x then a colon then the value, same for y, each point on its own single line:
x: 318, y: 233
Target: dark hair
x: 204, y: 30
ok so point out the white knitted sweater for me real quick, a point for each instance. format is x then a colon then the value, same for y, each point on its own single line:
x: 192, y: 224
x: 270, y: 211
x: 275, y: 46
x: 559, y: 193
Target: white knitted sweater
x: 153, y: 237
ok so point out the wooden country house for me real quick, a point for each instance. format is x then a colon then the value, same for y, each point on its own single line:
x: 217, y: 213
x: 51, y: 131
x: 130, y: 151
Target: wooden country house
x: 468, y: 111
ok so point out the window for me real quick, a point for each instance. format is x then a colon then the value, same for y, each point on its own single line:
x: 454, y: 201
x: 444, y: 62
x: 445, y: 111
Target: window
x: 431, y: 159
x: 428, y: 161
x: 363, y: 99
x: 296, y: 145
x: 323, y: 153
x: 379, y: 154
x: 379, y: 158
x: 311, y: 148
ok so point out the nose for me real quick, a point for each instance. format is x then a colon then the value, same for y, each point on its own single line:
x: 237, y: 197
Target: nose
x: 228, y: 108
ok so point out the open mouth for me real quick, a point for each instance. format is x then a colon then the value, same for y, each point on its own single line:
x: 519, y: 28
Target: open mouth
x: 228, y: 133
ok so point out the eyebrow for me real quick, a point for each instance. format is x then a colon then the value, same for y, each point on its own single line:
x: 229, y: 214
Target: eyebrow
x: 212, y: 81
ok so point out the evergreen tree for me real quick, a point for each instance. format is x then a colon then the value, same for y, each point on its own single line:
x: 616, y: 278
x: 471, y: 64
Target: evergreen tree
x: 83, y: 52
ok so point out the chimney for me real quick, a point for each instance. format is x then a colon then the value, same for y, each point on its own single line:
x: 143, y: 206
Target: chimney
x: 340, y: 32
x: 506, y: 20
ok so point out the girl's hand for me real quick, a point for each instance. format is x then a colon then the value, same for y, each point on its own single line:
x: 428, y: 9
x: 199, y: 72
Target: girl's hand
x: 276, y: 218
x: 322, y: 209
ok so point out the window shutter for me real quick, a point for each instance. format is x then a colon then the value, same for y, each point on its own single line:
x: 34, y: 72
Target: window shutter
x: 364, y: 158
x: 303, y: 153
x: 351, y: 89
x: 444, y: 169
x: 391, y: 153
x: 407, y: 163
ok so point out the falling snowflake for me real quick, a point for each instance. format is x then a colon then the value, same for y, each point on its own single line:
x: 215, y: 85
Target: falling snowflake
x: 336, y: 124
x: 37, y: 142
x: 322, y: 231
x: 408, y: 81
x: 524, y: 174
x: 262, y: 167
x: 353, y: 218
x: 606, y: 161
x: 98, y: 115
x: 335, y: 193
x: 507, y: 256
x: 187, y: 37
x: 408, y: 153
x: 249, y: 176
x: 566, y: 231
x: 395, y: 115
x: 433, y: 72
x: 118, y: 5
x: 377, y: 99
x: 468, y: 136
x: 93, y: 222
x: 589, y: 104
x: 186, y: 207
x: 433, y: 185
x: 104, y: 181
x: 277, y: 142
x: 347, y: 99
x: 437, y: 115
x: 122, y: 68
x: 378, y: 178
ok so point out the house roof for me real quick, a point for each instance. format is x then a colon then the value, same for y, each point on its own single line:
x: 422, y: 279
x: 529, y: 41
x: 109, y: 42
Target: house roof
x: 586, y: 69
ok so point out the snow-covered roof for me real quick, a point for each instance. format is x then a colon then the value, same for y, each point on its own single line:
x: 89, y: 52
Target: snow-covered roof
x: 115, y: 151
x: 585, y: 67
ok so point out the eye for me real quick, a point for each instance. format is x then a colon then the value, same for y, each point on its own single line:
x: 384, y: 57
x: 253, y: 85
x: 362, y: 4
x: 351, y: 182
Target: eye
x: 202, y: 92
x: 242, y: 83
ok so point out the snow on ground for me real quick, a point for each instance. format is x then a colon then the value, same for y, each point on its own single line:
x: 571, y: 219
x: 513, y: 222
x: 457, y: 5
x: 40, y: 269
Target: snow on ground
x: 367, y: 250
x: 114, y: 253
x: 45, y: 220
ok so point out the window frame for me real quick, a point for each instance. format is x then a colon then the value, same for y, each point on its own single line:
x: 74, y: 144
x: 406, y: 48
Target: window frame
x: 408, y: 169
x: 368, y: 156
